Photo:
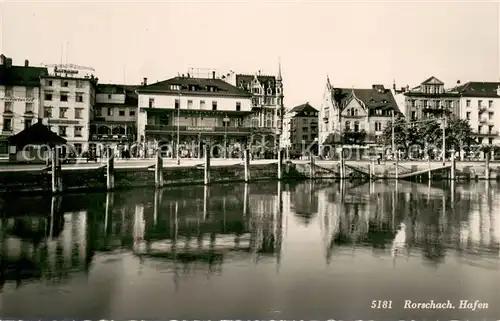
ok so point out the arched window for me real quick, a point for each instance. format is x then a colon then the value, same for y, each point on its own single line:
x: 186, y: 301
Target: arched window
x: 355, y: 112
x: 352, y: 111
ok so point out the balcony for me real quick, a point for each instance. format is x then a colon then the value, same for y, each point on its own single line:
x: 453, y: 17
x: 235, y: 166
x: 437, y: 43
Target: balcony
x: 163, y: 129
x: 112, y: 138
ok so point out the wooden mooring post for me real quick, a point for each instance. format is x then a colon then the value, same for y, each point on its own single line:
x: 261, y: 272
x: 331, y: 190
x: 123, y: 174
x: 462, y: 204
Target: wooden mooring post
x: 57, y: 184
x: 280, y: 163
x: 341, y: 164
x: 487, y: 165
x: 246, y: 162
x: 453, y: 166
x: 206, y: 179
x: 110, y: 170
x: 159, y: 169
x: 311, y: 166
x: 430, y: 168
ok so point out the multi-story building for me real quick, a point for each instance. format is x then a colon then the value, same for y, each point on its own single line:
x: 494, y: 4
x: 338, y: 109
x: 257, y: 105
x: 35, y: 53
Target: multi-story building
x: 115, y: 118
x: 430, y: 99
x: 19, y: 97
x: 68, y: 100
x: 479, y: 104
x: 361, y: 114
x: 194, y: 111
x: 300, y: 128
x: 267, y: 105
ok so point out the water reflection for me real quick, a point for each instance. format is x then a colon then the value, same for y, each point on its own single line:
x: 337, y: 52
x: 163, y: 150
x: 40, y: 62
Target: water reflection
x: 207, y: 230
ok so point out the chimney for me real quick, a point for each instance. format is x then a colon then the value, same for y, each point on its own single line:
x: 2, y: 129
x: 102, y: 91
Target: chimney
x: 8, y: 62
x: 26, y: 63
x: 145, y: 81
x: 213, y: 74
x: 2, y: 59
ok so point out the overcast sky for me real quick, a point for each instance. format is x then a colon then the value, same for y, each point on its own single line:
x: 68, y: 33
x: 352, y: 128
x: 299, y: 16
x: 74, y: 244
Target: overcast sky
x: 355, y: 43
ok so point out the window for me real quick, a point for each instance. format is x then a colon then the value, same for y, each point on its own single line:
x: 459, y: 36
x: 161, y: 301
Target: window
x: 190, y: 104
x: 78, y: 113
x: 490, y: 115
x: 238, y: 106
x: 98, y: 112
x: 8, y: 106
x: 175, y: 87
x: 490, y: 129
x: 305, y: 137
x: 255, y: 101
x: 79, y: 97
x: 78, y: 148
x: 27, y: 122
x: 490, y: 103
x: 151, y: 102
x: 413, y: 115
x: 214, y: 105
x: 177, y: 104
x: 79, y: 84
x: 78, y: 131
x: 64, y: 83
x: 424, y: 102
x: 347, y: 125
x: 64, y: 96
x: 467, y: 103
x: 121, y: 112
x: 479, y: 103
x: 202, y: 104
x: 412, y: 103
x: 110, y: 111
x: 131, y: 113
x: 48, y: 83
x: 378, y: 126
x: 29, y: 108
x: 48, y: 96
x: 7, y: 125
x: 256, y: 90
x: 305, y: 129
x: 47, y: 112
x: 490, y: 141
x: 63, y: 112
x: 110, y: 96
x: 29, y: 92
x: 356, y: 126
x: 62, y: 131
x: 467, y: 115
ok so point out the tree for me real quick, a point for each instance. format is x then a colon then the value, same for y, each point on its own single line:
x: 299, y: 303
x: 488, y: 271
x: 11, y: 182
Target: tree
x: 350, y: 137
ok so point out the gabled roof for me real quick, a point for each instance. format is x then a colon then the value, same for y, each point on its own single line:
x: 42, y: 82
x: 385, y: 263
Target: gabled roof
x: 432, y: 81
x: 478, y: 89
x: 37, y: 134
x: 244, y: 82
x: 202, y: 86
x: 303, y: 108
x: 373, y: 98
x: 21, y: 75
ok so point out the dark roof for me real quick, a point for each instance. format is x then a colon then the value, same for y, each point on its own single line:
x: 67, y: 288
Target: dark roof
x: 21, y: 76
x: 37, y: 134
x: 303, y: 108
x: 201, y: 86
x: 478, y: 89
x: 373, y: 98
x: 245, y: 82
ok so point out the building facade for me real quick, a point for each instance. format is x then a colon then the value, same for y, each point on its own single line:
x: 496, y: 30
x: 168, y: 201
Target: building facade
x: 19, y: 97
x: 300, y: 129
x: 115, y: 117
x: 191, y: 112
x: 479, y: 104
x: 267, y: 105
x: 68, y: 100
x: 355, y: 116
x: 430, y: 100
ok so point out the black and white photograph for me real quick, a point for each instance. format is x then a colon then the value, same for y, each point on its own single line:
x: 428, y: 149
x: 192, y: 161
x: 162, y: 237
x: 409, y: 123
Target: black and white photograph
x: 249, y: 160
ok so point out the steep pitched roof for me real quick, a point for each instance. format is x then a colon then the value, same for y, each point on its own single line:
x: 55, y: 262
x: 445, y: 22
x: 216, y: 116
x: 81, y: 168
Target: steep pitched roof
x: 244, y: 82
x: 373, y: 98
x: 303, y: 108
x: 21, y: 75
x: 200, y: 84
x: 38, y: 134
x: 478, y: 89
x: 432, y: 81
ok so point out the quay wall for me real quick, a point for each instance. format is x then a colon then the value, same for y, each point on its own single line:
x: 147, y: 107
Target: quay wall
x: 95, y: 179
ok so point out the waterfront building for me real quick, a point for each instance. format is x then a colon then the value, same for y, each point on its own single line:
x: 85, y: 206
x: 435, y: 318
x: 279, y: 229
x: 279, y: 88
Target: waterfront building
x: 431, y: 99
x: 115, y: 118
x: 357, y: 115
x: 479, y: 104
x: 399, y: 96
x: 19, y: 97
x: 267, y: 105
x: 300, y: 129
x: 68, y: 99
x: 189, y: 112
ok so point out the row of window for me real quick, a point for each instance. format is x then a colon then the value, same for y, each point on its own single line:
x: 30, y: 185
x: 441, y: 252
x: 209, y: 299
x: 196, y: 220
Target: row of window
x: 490, y: 115
x: 64, y: 83
x: 63, y: 112
x: 64, y: 96
x: 110, y: 112
x: 63, y: 131
x: 268, y: 101
x: 202, y: 104
x: 479, y: 103
x: 432, y: 89
x: 430, y: 103
x: 9, y: 92
x: 9, y: 107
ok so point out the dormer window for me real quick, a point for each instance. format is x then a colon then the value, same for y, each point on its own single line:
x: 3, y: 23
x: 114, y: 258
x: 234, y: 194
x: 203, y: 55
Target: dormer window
x: 269, y: 91
x: 384, y: 101
x: 175, y: 87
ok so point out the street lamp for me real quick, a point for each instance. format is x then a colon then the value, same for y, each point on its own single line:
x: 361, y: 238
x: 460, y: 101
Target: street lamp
x: 178, y: 129
x: 226, y: 122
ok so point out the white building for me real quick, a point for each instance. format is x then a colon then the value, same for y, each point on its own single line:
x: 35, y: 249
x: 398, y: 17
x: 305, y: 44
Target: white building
x: 480, y: 104
x: 68, y: 100
x: 193, y: 111
x: 19, y: 97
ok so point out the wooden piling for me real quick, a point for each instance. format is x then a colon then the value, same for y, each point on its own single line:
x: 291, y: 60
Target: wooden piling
x: 246, y: 160
x: 487, y: 165
x: 110, y: 170
x: 159, y: 169
x: 453, y: 166
x: 342, y: 164
x: 311, y: 166
x: 206, y: 150
x: 56, y: 171
x: 430, y: 168
x: 280, y: 163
